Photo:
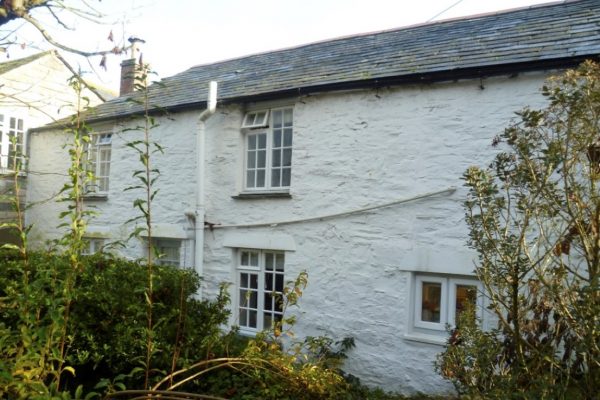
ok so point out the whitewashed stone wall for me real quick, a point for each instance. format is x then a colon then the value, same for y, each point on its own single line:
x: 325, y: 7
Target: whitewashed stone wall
x: 351, y: 150
x: 39, y: 93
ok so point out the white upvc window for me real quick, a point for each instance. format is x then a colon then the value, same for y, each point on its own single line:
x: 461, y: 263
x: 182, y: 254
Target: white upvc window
x: 11, y: 150
x: 98, y: 158
x: 439, y: 300
x: 169, y: 252
x: 268, y: 149
x: 260, y: 289
x: 93, y: 245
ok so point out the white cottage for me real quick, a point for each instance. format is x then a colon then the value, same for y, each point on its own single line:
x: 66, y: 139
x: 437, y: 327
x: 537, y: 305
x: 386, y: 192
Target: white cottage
x: 34, y: 91
x: 341, y: 158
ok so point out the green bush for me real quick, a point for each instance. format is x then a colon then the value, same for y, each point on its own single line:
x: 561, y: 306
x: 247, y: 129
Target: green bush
x: 107, y: 321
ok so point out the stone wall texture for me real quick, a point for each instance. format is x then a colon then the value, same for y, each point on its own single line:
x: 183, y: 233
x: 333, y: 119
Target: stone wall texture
x: 351, y: 150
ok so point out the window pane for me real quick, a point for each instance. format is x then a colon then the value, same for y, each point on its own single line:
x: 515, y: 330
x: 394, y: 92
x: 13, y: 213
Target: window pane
x: 287, y: 117
x: 254, y: 281
x: 276, y: 158
x: 269, y: 261
x: 279, y: 262
x: 277, y: 119
x: 279, y: 283
x: 262, y: 141
x: 267, y: 320
x: 466, y: 296
x: 287, y: 157
x: 277, y: 138
x: 243, y: 317
x: 253, y: 300
x: 431, y: 301
x: 269, y: 282
x: 254, y: 260
x: 286, y: 177
x: 275, y: 177
x: 262, y: 155
x: 260, y: 178
x: 250, y: 179
x: 251, y: 142
x: 268, y: 301
x: 252, y: 319
x: 279, y: 303
x: 287, y: 138
x: 251, y: 159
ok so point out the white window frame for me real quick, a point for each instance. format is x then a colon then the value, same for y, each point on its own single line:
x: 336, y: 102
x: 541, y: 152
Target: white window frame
x: 100, y: 146
x: 256, y: 128
x: 256, y: 119
x: 447, y: 304
x: 164, y: 258
x: 6, y: 147
x: 260, y: 271
x: 93, y: 245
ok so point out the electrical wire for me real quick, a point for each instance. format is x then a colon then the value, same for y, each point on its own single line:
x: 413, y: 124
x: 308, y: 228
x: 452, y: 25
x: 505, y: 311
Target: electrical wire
x: 447, y: 9
x: 449, y: 190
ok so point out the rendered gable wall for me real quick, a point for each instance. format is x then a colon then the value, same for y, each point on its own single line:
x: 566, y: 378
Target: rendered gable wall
x: 38, y: 93
x: 351, y: 150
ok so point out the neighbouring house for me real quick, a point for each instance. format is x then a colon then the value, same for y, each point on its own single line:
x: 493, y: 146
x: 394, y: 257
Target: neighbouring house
x: 34, y: 91
x: 342, y: 158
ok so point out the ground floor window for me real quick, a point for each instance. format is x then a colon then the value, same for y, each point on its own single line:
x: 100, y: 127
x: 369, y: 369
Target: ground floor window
x: 439, y: 300
x: 168, y: 252
x: 260, y: 277
x: 92, y: 245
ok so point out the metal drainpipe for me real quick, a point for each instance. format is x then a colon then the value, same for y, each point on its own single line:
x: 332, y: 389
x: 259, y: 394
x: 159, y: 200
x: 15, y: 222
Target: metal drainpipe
x: 200, y: 166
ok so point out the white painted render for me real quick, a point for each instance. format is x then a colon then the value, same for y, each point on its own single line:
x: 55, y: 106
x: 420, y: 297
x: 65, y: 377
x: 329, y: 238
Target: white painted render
x: 38, y: 92
x: 351, y: 150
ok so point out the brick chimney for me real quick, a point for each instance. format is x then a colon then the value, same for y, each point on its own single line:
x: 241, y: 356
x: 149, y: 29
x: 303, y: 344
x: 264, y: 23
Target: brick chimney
x: 128, y: 67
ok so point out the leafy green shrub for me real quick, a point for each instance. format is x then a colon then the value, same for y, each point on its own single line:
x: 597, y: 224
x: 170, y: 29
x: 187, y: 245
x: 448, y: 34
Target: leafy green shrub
x: 534, y: 219
x: 107, y: 318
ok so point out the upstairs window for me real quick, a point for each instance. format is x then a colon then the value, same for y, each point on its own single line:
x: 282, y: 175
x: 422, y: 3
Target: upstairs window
x: 98, y: 158
x: 268, y: 150
x: 12, y: 136
x: 256, y: 119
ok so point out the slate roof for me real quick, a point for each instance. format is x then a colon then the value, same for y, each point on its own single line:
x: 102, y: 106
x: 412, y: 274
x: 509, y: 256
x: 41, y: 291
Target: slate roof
x: 103, y: 93
x: 533, y: 37
x: 10, y: 65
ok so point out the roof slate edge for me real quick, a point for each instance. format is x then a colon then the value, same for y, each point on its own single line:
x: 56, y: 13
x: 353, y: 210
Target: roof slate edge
x: 419, y: 78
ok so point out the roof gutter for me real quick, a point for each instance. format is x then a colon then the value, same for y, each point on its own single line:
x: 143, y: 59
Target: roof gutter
x: 406, y: 79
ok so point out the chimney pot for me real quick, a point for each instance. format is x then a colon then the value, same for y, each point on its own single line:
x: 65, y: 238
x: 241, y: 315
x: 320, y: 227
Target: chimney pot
x: 128, y: 67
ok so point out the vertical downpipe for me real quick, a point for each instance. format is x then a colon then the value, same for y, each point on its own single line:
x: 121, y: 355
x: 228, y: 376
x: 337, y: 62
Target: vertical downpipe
x: 200, y: 168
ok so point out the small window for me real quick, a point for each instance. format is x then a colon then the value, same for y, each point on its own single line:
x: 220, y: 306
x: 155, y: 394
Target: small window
x: 93, y: 246
x: 439, y: 300
x: 256, y: 119
x: 168, y: 252
x: 12, y: 143
x: 268, y: 154
x: 260, y: 289
x: 98, y: 163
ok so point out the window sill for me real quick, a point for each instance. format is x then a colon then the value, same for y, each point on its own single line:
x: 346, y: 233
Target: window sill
x: 262, y: 195
x: 95, y: 197
x: 9, y: 172
x: 424, y: 338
